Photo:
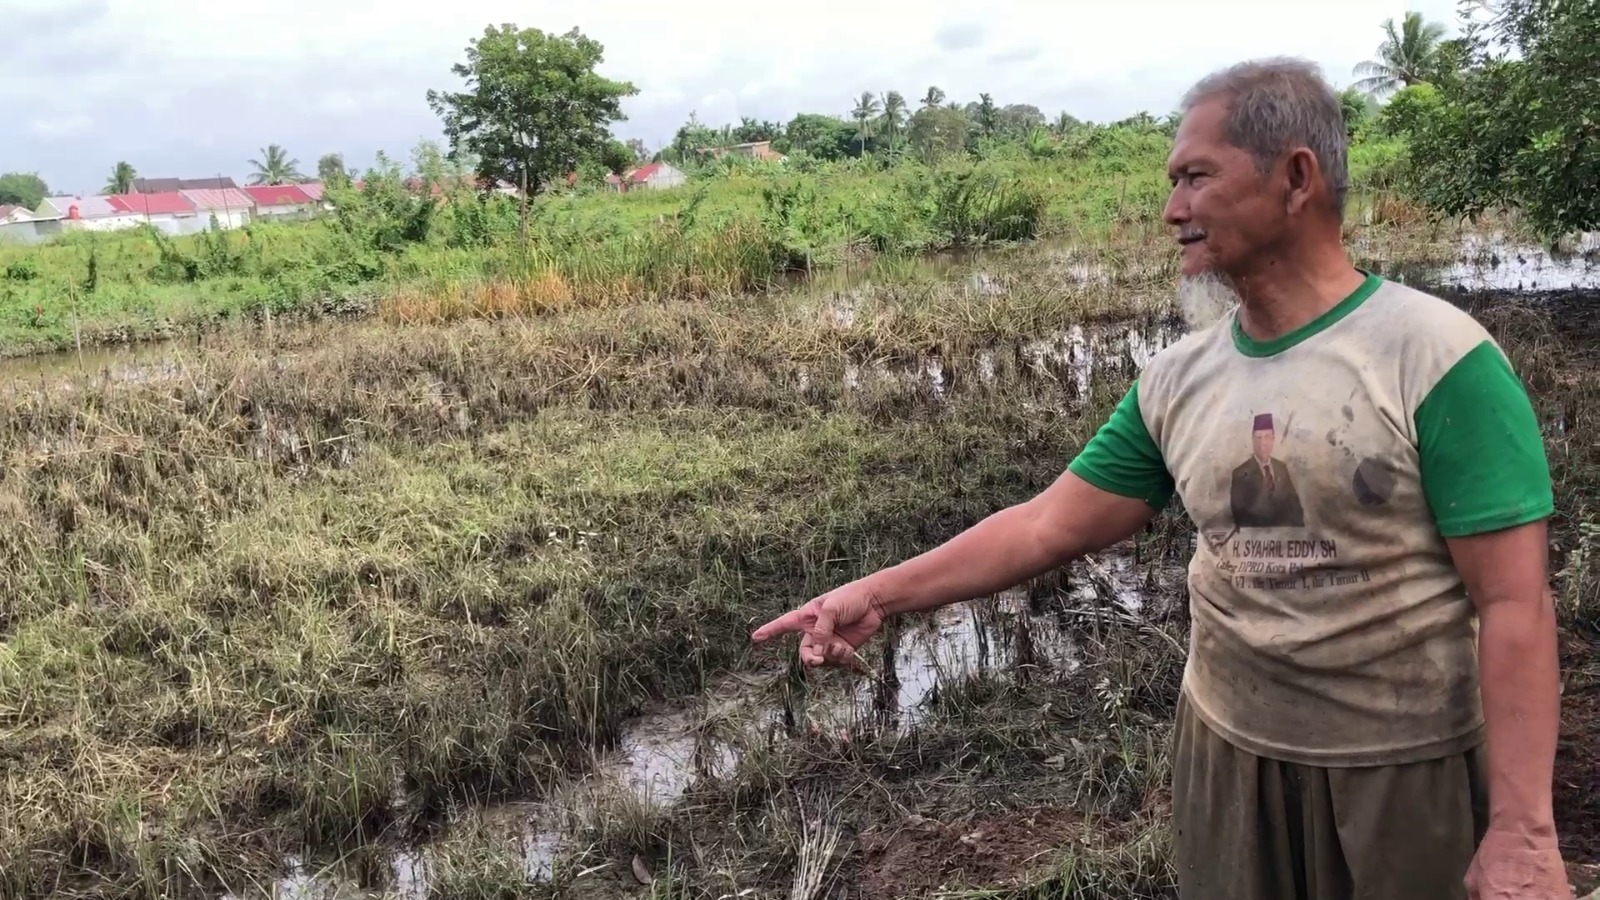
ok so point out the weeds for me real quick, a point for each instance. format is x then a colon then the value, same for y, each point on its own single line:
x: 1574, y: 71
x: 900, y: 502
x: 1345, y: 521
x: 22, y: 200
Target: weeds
x: 322, y: 597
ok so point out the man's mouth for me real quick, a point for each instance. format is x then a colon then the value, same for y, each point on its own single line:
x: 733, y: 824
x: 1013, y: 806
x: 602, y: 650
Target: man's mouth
x: 1190, y: 237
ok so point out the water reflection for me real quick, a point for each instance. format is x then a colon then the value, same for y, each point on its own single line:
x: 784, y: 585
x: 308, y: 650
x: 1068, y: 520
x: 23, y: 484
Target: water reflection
x: 1493, y: 263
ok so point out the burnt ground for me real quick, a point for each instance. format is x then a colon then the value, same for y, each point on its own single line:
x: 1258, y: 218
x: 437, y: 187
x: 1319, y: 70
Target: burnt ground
x: 920, y: 856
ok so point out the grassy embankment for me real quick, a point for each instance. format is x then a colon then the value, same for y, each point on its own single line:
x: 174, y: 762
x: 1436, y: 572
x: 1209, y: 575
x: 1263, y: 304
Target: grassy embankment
x: 721, y: 235
x: 315, y: 599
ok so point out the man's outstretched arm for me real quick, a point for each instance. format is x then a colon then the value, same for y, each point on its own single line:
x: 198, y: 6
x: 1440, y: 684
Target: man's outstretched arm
x: 1116, y: 485
x: 1065, y: 521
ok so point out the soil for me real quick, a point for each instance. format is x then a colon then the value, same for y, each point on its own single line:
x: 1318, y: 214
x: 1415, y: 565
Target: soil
x: 921, y: 856
x: 1577, y: 772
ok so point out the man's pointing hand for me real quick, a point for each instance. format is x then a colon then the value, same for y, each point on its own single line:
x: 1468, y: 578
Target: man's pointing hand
x: 831, y: 626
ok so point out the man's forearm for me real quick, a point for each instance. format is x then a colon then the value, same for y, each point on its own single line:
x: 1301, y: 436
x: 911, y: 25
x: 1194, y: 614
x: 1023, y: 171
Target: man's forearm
x: 1004, y: 549
x: 1520, y: 672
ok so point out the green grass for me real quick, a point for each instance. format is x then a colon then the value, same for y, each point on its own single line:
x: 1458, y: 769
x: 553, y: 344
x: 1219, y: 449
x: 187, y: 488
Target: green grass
x: 727, y: 234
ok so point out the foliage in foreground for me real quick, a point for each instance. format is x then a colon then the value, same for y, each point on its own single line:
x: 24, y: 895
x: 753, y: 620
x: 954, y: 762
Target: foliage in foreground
x: 1504, y: 132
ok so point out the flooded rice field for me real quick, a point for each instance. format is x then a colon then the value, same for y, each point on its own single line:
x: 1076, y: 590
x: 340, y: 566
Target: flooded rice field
x: 665, y: 754
x: 702, y: 759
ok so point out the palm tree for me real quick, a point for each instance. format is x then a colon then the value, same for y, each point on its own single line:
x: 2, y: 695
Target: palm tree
x: 894, y: 116
x: 932, y: 98
x: 865, y: 113
x: 278, y: 168
x: 1404, y: 58
x: 986, y: 115
x: 1356, y: 108
x: 1064, y: 123
x: 121, y: 180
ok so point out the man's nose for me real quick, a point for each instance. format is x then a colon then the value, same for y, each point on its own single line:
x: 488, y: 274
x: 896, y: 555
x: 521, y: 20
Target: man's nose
x: 1177, y: 210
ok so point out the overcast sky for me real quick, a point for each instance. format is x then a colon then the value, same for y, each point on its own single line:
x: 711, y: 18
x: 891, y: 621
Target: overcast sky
x: 193, y: 88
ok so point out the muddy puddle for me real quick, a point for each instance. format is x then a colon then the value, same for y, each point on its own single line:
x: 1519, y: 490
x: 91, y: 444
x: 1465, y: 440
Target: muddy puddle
x: 1492, y: 263
x: 663, y: 753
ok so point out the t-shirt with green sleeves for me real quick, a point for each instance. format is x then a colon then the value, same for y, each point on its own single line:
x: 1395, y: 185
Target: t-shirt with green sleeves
x: 1323, y: 471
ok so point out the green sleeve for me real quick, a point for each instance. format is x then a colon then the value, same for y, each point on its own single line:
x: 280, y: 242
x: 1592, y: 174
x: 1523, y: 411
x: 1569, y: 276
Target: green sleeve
x: 1482, y: 453
x: 1123, y: 459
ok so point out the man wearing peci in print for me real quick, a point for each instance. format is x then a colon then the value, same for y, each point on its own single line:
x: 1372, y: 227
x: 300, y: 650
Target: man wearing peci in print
x: 1370, y: 701
x: 1263, y: 494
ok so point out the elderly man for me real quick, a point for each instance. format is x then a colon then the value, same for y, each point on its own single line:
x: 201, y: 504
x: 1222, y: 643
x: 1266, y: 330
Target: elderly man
x: 1343, y: 730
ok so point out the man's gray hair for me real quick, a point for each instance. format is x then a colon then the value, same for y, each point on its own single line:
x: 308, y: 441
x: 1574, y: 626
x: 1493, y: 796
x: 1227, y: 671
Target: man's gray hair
x: 1278, y: 103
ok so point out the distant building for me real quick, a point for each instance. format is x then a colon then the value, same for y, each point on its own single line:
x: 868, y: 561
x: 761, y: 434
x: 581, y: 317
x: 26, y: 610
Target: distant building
x: 649, y: 175
x: 282, y: 201
x: 20, y: 226
x: 752, y: 149
x: 232, y: 207
x: 168, y: 211
x: 169, y: 185
x: 91, y: 213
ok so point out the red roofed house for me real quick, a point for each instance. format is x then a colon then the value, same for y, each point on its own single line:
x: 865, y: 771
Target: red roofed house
x: 649, y: 175
x: 166, y: 211
x: 281, y: 201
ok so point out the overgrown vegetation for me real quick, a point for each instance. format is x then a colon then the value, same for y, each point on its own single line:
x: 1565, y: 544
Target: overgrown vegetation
x: 319, y: 597
x: 315, y: 590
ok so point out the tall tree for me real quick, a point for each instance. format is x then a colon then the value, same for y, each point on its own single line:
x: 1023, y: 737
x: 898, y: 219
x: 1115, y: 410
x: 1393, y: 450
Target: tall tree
x: 894, y: 117
x: 1020, y: 118
x: 1407, y: 56
x: 25, y: 189
x: 986, y: 115
x: 933, y: 97
x: 533, y: 108
x: 330, y: 169
x: 275, y: 167
x: 1514, y: 131
x: 1356, y: 106
x: 824, y: 137
x: 121, y: 180
x: 865, y: 114
x: 937, y: 132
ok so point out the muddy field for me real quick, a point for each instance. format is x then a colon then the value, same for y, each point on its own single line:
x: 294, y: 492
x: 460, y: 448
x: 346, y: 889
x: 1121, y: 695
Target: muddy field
x: 360, y: 610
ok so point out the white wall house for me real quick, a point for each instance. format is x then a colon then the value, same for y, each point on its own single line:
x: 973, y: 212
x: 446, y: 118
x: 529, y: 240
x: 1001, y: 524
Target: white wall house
x: 91, y: 213
x: 281, y: 201
x: 167, y: 211
x: 232, y: 207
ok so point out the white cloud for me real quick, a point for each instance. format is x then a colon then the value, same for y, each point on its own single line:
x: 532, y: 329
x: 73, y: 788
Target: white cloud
x: 343, y: 78
x: 61, y: 126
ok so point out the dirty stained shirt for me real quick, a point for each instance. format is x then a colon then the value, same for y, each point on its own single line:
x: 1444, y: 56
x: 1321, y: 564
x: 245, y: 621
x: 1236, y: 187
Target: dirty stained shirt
x: 1323, y: 471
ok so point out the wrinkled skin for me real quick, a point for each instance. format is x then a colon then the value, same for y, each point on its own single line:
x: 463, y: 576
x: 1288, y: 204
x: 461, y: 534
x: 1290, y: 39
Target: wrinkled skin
x: 1228, y: 214
x: 1513, y: 866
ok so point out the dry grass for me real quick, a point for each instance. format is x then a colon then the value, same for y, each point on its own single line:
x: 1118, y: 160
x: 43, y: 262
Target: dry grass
x: 323, y: 595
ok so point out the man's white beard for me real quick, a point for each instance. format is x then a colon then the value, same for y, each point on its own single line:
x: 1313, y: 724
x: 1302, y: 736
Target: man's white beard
x: 1204, y: 299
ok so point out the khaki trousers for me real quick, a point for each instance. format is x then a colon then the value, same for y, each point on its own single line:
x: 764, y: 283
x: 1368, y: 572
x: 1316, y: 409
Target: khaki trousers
x: 1250, y: 828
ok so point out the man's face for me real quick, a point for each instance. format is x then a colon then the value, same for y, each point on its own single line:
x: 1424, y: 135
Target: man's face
x: 1225, y: 210
x: 1261, y: 444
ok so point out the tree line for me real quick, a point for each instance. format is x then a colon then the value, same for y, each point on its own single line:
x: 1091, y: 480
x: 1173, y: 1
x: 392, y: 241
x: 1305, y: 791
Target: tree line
x: 1505, y: 114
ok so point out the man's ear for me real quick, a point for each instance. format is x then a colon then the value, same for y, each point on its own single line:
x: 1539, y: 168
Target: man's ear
x: 1301, y: 175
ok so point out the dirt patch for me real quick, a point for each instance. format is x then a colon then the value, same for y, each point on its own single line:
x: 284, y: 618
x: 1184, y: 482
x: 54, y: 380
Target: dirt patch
x: 1577, y: 771
x: 920, y: 856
